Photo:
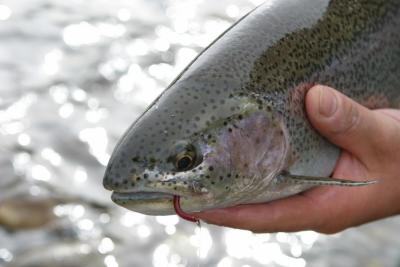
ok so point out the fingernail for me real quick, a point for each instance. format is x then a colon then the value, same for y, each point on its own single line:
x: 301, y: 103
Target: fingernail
x: 327, y: 102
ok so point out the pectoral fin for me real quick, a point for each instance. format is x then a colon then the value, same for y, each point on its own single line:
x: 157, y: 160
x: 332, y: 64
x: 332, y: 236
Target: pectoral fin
x: 286, y: 177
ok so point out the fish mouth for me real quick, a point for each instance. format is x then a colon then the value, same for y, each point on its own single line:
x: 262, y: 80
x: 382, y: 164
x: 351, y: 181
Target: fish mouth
x: 158, y: 203
x: 140, y: 196
x: 150, y: 203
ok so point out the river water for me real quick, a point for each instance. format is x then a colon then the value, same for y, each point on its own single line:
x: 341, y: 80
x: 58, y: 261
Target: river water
x: 74, y: 75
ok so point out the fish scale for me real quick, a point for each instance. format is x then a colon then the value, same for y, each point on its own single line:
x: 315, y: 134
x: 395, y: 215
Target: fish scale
x: 232, y: 128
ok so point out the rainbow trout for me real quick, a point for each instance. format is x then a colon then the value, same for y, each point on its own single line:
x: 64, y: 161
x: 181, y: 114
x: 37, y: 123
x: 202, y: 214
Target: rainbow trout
x: 231, y: 128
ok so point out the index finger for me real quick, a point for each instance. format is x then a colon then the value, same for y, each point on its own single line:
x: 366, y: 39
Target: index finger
x: 289, y: 215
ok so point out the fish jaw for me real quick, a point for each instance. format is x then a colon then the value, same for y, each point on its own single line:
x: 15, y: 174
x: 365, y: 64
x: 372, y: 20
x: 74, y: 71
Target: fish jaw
x: 158, y: 203
x: 155, y: 196
x: 150, y: 203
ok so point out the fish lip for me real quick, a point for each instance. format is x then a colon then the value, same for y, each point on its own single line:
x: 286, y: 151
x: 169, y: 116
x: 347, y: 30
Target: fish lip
x: 141, y: 196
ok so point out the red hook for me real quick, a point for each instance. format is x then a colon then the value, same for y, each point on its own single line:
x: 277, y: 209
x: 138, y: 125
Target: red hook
x: 180, y: 212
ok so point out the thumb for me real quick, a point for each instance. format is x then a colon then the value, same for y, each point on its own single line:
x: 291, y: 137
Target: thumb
x: 351, y: 126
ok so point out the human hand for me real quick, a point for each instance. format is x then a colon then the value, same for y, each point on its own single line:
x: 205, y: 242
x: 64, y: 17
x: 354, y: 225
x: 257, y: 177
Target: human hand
x: 370, y: 140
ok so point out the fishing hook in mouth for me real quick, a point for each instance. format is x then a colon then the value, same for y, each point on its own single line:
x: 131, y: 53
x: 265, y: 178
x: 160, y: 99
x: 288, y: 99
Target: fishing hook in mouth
x: 180, y: 212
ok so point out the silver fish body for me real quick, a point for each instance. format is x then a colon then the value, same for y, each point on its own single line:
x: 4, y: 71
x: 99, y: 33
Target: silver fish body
x: 233, y: 122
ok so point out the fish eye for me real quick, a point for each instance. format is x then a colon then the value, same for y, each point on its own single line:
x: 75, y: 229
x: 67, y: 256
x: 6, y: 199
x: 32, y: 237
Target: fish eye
x: 185, y: 157
x: 184, y: 162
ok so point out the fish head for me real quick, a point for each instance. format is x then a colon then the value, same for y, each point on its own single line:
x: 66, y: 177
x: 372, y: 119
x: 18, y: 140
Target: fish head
x: 212, y: 150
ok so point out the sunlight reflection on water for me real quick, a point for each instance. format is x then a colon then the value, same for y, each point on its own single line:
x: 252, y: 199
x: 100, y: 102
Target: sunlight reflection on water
x: 74, y: 75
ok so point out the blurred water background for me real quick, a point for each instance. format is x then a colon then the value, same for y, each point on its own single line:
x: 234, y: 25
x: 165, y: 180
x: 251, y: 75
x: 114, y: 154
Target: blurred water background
x: 73, y: 76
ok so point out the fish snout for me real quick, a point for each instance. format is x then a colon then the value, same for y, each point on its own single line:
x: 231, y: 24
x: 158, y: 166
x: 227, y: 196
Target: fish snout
x: 118, y: 175
x: 119, y: 182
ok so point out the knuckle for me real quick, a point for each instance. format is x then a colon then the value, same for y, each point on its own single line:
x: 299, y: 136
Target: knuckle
x: 349, y: 119
x: 260, y: 228
x: 328, y: 230
x: 257, y: 231
x: 385, y: 145
x: 330, y: 227
x: 323, y: 224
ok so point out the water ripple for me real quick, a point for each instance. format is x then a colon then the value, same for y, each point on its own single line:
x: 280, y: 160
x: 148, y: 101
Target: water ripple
x: 74, y: 75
